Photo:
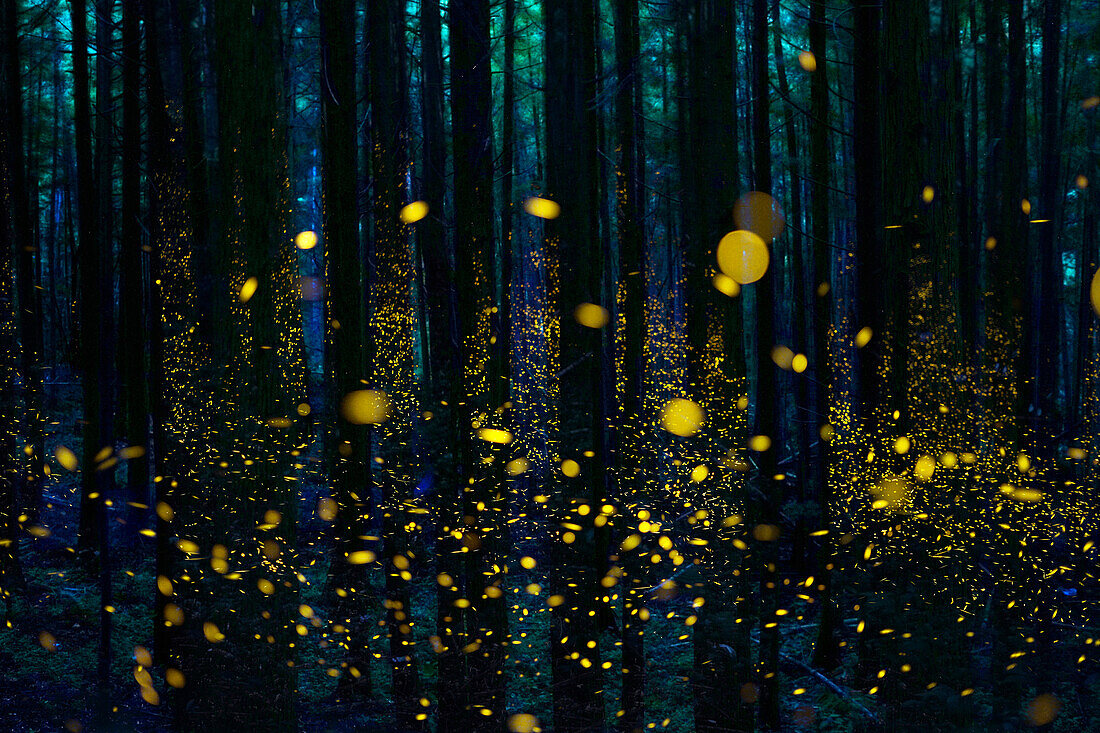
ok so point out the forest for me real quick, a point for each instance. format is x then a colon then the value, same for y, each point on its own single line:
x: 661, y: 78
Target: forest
x: 563, y: 366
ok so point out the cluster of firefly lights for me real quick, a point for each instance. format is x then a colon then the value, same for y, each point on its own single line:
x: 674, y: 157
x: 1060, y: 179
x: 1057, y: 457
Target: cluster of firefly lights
x: 946, y: 473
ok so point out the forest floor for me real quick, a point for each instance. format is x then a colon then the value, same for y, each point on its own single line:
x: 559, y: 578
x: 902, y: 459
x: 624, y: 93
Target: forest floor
x: 49, y: 651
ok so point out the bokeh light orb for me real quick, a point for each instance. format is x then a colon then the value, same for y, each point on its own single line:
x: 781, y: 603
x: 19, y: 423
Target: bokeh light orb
x: 591, y: 315
x: 682, y: 417
x: 759, y: 213
x: 1094, y: 292
x: 726, y: 285
x: 414, y: 212
x: 542, y: 208
x: 306, y: 239
x: 743, y: 256
x: 366, y: 407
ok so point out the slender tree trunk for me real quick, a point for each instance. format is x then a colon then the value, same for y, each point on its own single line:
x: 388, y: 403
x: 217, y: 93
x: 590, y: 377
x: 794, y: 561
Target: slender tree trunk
x: 1013, y: 251
x: 799, y: 317
x: 104, y: 343
x: 1012, y: 302
x: 132, y: 280
x: 97, y: 303
x: 259, y: 417
x: 471, y: 119
x: 190, y: 28
x: 1048, y: 210
x: 764, y: 422
x: 13, y: 226
x: 391, y: 332
x: 630, y: 318
x: 872, y: 269
x: 508, y: 164
x: 345, y: 322
x: 826, y: 652
x: 431, y: 233
x: 28, y: 495
x: 571, y: 239
x: 1086, y: 325
x: 442, y: 366
x: 165, y: 219
x: 872, y: 262
x: 86, y: 255
x: 715, y: 361
x: 966, y: 162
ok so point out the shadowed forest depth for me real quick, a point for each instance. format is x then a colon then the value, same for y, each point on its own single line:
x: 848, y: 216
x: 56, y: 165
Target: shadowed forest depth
x: 549, y: 365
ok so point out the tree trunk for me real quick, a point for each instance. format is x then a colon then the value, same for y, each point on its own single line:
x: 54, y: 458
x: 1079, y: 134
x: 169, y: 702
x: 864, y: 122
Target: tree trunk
x: 630, y: 318
x: 826, y: 652
x: 28, y: 496
x: 431, y: 233
x: 572, y: 251
x: 1013, y: 252
x: 13, y: 227
x: 1049, y: 418
x: 259, y: 417
x: 764, y: 422
x: 132, y: 281
x: 798, y: 310
x: 471, y: 119
x: 167, y: 221
x: 345, y: 318
x: 715, y: 359
x: 96, y: 305
x: 505, y: 244
x: 872, y: 272
x: 391, y: 332
x: 190, y: 29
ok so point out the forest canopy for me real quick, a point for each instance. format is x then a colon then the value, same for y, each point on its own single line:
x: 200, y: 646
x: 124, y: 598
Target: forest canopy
x: 549, y: 365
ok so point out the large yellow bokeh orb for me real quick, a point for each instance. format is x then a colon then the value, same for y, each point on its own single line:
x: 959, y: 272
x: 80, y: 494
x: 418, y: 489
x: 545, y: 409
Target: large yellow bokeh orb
x: 743, y: 256
x: 414, y: 212
x: 366, y: 407
x: 1094, y: 292
x: 682, y: 417
x: 591, y: 315
x: 542, y: 208
x: 306, y: 239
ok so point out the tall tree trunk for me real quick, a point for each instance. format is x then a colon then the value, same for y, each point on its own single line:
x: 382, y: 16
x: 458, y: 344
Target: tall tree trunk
x: 190, y: 25
x: 28, y: 495
x: 471, y: 119
x: 13, y: 228
x: 1049, y: 210
x: 966, y: 157
x: 826, y: 652
x: 871, y: 262
x: 715, y: 359
x: 443, y: 368
x: 97, y: 303
x: 391, y: 332
x: 1013, y: 252
x: 572, y: 181
x: 505, y: 244
x: 258, y: 418
x: 104, y: 344
x: 764, y: 422
x: 1011, y: 306
x: 345, y: 326
x: 132, y: 280
x: 630, y: 320
x: 86, y: 206
x: 431, y: 234
x: 166, y: 222
x: 798, y: 310
x: 1086, y: 325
